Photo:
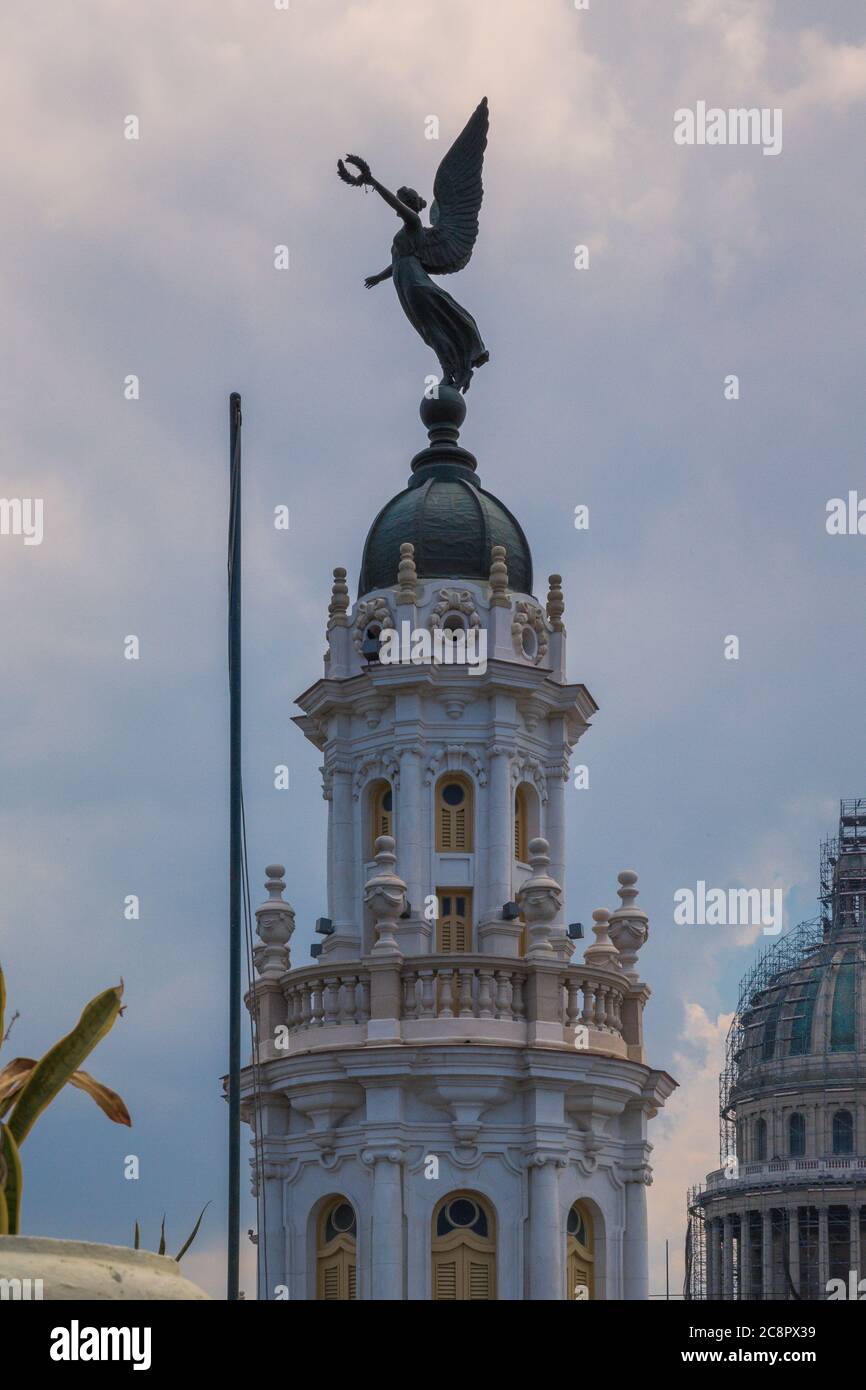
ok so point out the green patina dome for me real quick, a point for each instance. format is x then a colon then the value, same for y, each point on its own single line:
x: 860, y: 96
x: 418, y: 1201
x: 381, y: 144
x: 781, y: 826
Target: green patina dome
x: 449, y: 518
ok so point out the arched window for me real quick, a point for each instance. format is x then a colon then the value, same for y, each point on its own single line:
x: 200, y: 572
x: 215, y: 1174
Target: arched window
x: 580, y: 1256
x: 797, y: 1135
x: 843, y: 1132
x: 464, y: 1248
x: 760, y: 1140
x: 381, y: 812
x: 335, y: 1251
x: 454, y: 814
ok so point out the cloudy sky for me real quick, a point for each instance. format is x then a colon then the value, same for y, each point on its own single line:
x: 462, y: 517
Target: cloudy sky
x: 155, y: 257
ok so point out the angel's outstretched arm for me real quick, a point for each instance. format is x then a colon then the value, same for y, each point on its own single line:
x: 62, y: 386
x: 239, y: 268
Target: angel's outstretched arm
x: 409, y: 215
x: 372, y: 280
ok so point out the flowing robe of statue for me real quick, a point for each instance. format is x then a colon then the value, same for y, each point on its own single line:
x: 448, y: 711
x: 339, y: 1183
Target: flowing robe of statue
x: 418, y: 252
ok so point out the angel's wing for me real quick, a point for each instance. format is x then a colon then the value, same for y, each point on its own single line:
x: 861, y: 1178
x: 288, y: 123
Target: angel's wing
x: 457, y: 193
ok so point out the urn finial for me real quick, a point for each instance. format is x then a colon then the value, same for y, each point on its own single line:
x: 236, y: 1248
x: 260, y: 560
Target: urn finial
x: 499, y: 578
x: 629, y: 925
x: 385, y: 896
x: 540, y: 901
x: 602, y: 952
x: 275, y: 923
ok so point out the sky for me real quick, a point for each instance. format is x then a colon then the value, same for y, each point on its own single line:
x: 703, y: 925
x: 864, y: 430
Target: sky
x: 154, y: 257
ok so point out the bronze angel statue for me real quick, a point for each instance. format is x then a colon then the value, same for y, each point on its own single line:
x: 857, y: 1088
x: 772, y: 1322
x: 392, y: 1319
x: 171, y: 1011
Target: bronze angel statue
x: 417, y: 252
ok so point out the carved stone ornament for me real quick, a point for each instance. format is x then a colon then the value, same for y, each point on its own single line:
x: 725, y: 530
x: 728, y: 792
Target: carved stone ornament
x: 454, y: 601
x: 529, y: 615
x: 371, y: 610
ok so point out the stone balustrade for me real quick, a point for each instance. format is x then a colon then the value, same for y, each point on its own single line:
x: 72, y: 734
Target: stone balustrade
x: 791, y: 1170
x: 478, y: 995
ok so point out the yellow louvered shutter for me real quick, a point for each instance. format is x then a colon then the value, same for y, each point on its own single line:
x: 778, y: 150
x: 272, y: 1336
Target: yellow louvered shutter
x: 444, y: 1279
x: 330, y: 1281
x: 445, y: 828
x: 460, y: 828
x: 479, y: 1277
x: 454, y: 927
x: 352, y: 1282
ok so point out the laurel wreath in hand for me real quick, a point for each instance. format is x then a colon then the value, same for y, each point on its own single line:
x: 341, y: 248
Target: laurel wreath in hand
x: 356, y: 180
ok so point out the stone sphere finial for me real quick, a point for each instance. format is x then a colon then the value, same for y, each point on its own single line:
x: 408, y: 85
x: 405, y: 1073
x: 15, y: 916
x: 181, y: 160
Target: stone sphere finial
x: 629, y: 925
x: 275, y: 923
x: 540, y: 901
x: 499, y: 578
x: 385, y: 896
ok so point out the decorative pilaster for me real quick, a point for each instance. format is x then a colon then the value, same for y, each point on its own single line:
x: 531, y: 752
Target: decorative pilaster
x: 496, y: 936
x: 413, y: 934
x: 387, y: 1223
x: 635, y: 1251
x: 546, y: 1228
x: 344, y: 943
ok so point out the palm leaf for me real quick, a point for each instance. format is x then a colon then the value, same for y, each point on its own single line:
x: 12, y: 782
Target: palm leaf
x: 161, y: 1250
x: 136, y: 1237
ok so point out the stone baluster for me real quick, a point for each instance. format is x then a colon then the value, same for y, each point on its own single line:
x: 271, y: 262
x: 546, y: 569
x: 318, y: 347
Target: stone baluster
x: 466, y: 1007
x: 518, y: 1003
x: 330, y: 1001
x: 485, y: 992
x: 503, y: 994
x: 347, y: 998
x: 446, y: 996
x: 317, y: 1012
x: 363, y: 1014
x: 410, y: 997
x: 427, y: 1007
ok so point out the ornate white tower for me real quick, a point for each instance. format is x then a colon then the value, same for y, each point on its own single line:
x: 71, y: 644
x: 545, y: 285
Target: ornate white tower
x: 449, y: 1107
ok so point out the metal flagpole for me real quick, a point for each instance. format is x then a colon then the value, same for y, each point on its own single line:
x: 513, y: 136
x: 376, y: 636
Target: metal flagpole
x: 235, y: 831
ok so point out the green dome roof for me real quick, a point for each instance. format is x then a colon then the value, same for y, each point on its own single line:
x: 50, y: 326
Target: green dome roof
x: 449, y: 518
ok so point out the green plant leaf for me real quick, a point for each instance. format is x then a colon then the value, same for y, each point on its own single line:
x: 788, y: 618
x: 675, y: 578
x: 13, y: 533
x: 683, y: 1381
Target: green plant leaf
x: 192, y: 1235
x: 4, y: 1215
x: 2, y: 1005
x: 13, y: 1180
x: 161, y: 1250
x: 136, y: 1237
x: 57, y: 1066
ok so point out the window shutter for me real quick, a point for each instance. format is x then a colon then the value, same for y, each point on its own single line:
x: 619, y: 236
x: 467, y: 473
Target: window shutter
x: 352, y: 1283
x: 445, y: 1280
x: 479, y: 1279
x: 331, y: 1281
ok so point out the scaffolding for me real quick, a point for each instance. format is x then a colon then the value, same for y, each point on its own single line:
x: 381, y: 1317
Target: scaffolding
x: 774, y: 1019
